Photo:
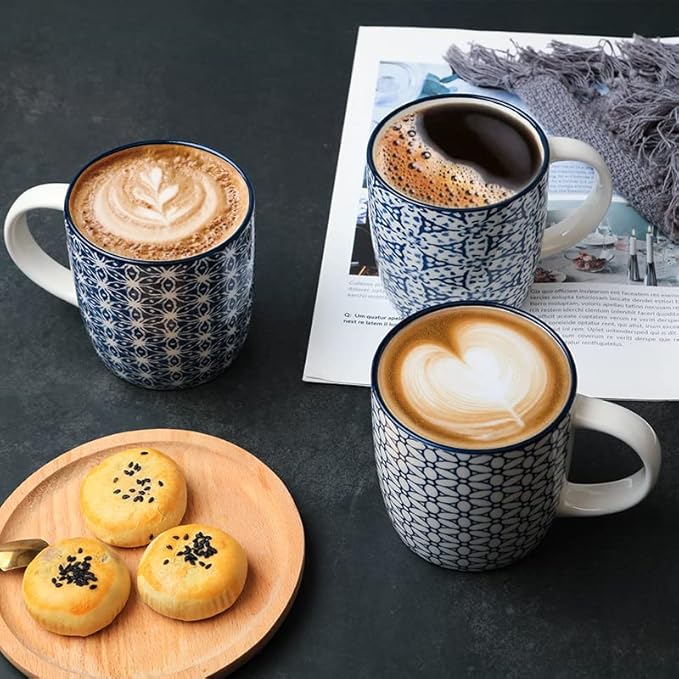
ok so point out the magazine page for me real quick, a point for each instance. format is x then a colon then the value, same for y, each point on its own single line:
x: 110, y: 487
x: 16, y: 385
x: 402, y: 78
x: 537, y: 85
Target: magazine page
x: 621, y: 332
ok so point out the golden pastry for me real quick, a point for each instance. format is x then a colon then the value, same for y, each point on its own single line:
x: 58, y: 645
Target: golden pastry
x: 131, y: 496
x: 192, y: 572
x: 75, y: 587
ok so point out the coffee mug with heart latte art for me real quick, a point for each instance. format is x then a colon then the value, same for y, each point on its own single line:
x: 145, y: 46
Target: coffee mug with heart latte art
x: 474, y: 407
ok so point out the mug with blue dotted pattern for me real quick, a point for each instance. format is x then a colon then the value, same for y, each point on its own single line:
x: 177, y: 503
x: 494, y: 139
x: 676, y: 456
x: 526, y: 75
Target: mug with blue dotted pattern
x: 484, y: 506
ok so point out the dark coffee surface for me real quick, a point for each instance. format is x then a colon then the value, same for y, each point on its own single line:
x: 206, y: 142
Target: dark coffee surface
x: 597, y: 599
x: 457, y: 153
x: 489, y: 141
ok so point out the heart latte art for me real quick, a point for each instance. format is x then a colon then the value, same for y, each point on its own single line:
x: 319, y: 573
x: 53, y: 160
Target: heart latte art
x: 159, y: 201
x: 474, y: 377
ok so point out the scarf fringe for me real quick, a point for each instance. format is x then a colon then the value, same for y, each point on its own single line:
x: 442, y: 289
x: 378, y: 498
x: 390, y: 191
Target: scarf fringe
x: 639, y: 77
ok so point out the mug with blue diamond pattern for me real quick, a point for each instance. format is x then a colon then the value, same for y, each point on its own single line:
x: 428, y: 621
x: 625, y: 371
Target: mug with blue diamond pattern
x: 160, y: 239
x: 473, y: 410
x: 457, y: 200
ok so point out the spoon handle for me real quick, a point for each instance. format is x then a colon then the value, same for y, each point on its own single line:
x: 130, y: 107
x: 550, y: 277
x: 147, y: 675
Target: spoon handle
x: 19, y: 553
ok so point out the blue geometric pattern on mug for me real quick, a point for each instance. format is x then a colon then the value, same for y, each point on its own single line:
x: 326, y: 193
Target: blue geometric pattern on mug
x: 469, y: 511
x: 166, y: 325
x: 426, y: 256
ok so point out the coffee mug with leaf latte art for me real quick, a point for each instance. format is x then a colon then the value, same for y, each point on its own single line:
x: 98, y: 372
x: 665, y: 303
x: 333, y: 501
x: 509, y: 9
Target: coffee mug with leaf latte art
x: 474, y: 407
x: 160, y: 238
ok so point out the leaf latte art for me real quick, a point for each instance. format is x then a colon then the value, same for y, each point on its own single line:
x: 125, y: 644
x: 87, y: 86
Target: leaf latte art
x: 159, y: 201
x: 474, y: 382
x: 156, y: 204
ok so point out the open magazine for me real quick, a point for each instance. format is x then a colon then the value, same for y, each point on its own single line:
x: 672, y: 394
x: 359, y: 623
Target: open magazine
x: 623, y: 333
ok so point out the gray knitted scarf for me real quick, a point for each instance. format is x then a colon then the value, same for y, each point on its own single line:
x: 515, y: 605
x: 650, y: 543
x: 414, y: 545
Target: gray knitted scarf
x: 621, y: 98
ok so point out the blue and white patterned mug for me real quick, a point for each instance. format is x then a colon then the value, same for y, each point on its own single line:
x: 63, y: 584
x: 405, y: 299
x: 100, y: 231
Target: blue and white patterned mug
x: 428, y: 255
x: 159, y: 324
x: 476, y: 507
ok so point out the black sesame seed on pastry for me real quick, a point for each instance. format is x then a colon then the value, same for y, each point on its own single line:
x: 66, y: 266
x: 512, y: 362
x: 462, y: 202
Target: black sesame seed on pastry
x: 75, y: 587
x: 192, y: 572
x: 133, y: 495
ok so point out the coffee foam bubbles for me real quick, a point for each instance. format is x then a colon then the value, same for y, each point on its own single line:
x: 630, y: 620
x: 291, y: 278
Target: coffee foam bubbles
x: 475, y: 382
x: 159, y: 201
x: 413, y: 167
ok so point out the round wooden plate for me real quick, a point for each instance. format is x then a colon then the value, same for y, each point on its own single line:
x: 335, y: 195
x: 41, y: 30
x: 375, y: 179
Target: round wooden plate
x: 228, y: 488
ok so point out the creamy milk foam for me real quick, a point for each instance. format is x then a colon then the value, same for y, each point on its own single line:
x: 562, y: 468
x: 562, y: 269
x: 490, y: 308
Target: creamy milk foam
x: 474, y: 377
x: 159, y: 201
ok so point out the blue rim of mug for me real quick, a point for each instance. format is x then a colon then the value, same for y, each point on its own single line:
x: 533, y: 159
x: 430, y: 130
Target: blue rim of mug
x: 374, y: 387
x: 496, y: 102
x: 157, y: 262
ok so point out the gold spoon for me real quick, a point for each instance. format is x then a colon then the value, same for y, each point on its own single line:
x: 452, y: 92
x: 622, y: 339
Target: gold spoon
x: 19, y: 553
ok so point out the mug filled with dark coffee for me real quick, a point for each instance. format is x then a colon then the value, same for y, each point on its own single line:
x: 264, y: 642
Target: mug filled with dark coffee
x: 473, y: 409
x: 457, y: 200
x: 160, y: 239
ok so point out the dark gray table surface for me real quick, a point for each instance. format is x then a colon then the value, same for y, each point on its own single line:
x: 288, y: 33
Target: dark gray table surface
x: 266, y: 82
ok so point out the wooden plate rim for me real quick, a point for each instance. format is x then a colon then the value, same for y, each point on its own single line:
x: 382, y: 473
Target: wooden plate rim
x: 29, y: 662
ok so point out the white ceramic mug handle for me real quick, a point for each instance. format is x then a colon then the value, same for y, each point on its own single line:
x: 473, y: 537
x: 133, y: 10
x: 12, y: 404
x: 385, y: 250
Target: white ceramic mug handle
x: 592, y: 499
x: 26, y: 253
x: 586, y: 217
